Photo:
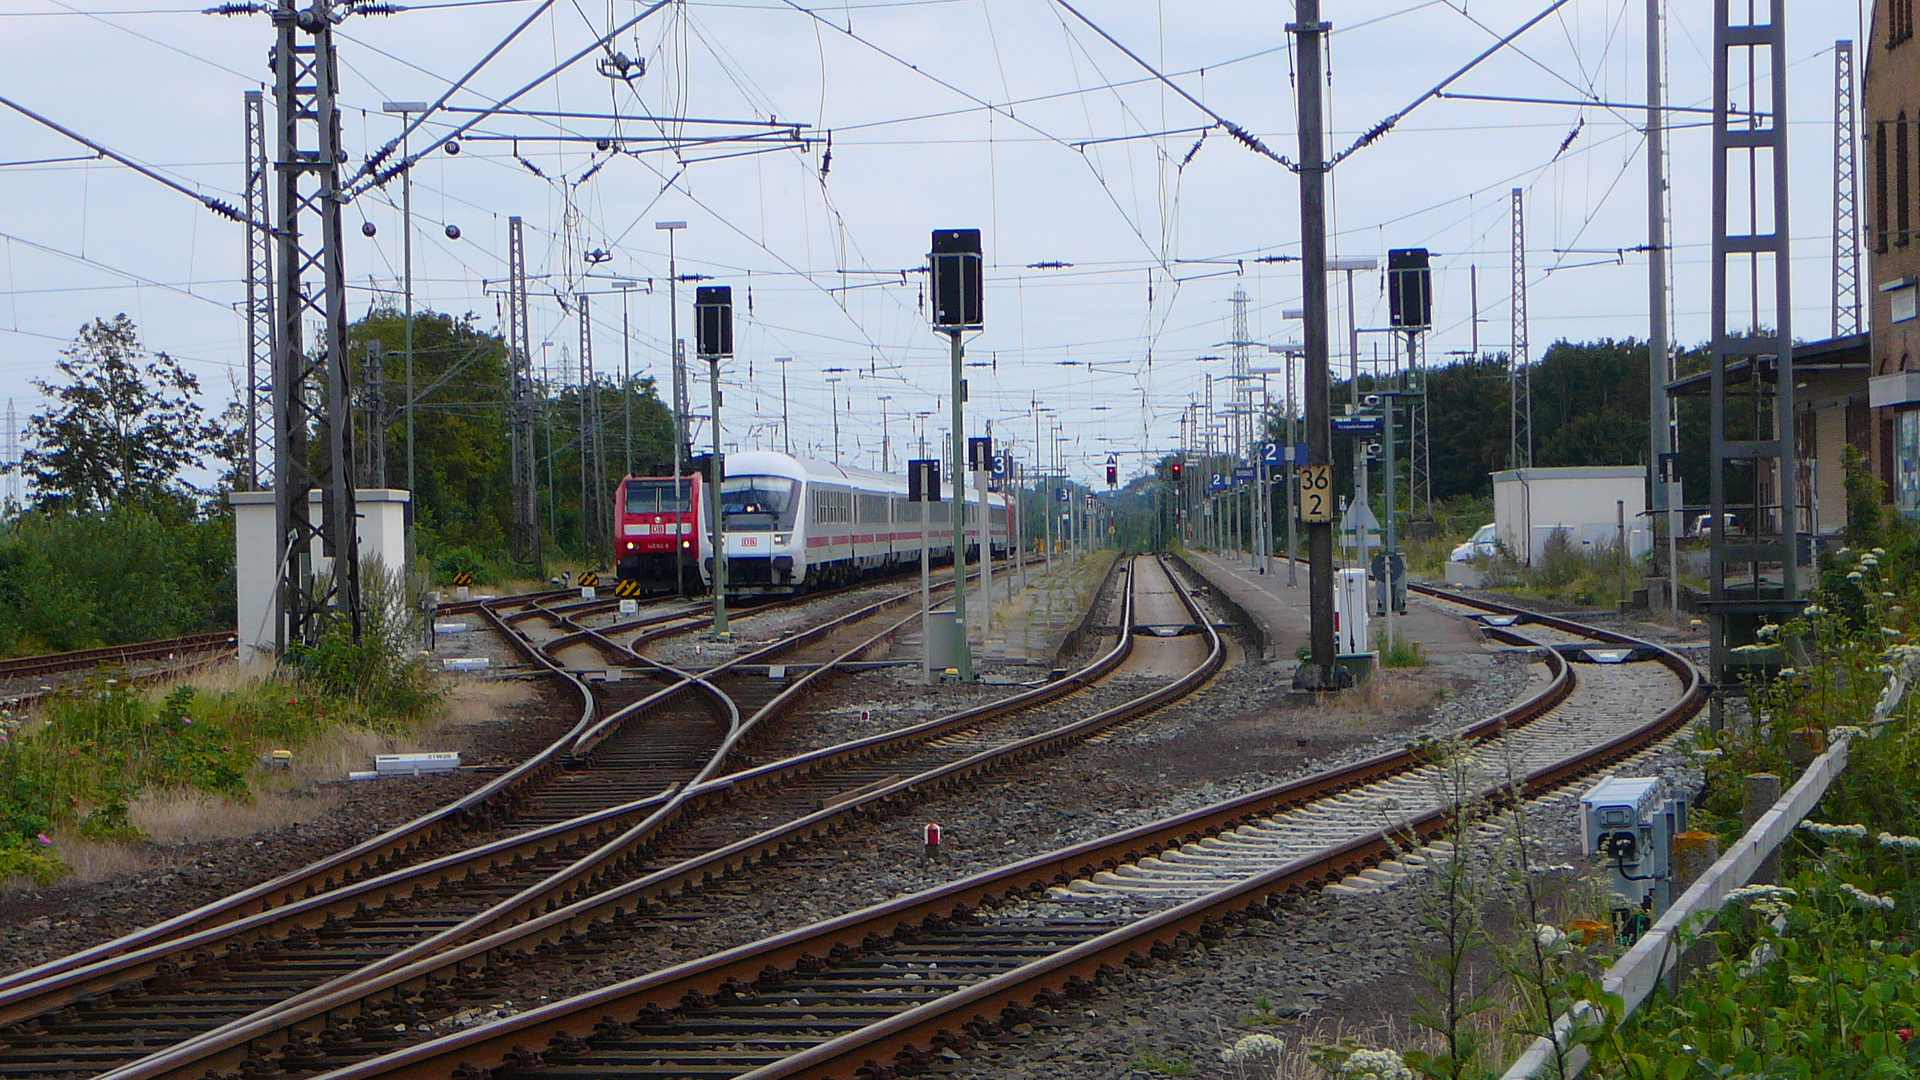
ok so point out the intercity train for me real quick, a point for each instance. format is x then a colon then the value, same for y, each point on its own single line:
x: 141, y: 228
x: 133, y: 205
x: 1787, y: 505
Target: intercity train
x: 792, y: 524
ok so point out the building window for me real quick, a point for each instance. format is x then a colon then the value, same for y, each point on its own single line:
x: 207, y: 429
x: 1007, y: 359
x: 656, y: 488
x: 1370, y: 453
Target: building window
x: 1880, y: 185
x: 1906, y: 488
x: 1902, y: 182
x: 1899, y: 21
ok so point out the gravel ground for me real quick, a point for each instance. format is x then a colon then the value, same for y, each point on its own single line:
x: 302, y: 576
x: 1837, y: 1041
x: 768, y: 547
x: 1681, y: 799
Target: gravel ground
x: 1246, y: 730
x: 1329, y: 966
x: 41, y: 923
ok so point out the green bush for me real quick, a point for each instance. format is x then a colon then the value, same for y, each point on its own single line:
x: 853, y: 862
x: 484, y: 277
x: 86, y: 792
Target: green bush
x: 130, y: 573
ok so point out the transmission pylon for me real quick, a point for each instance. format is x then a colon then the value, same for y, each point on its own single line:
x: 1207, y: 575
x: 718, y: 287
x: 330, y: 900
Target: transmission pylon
x: 1846, y: 198
x: 592, y: 459
x: 373, y: 389
x: 310, y: 398
x: 1242, y: 395
x: 10, y: 460
x: 258, y: 463
x: 1520, y: 372
x: 1752, y: 567
x: 1419, y: 445
x: 520, y: 418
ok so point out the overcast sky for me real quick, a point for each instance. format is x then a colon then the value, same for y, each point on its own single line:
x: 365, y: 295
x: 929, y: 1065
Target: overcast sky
x: 1011, y: 116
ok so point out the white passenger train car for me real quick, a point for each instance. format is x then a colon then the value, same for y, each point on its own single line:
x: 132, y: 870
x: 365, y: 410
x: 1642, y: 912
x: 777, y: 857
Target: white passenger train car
x: 794, y: 524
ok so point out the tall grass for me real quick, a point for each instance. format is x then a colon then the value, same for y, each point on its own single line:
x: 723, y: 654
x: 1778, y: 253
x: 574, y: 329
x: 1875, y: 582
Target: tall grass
x: 96, y: 753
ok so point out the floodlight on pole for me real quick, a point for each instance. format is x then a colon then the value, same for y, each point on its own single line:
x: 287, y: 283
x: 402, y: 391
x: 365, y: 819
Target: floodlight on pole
x: 678, y: 390
x: 403, y: 108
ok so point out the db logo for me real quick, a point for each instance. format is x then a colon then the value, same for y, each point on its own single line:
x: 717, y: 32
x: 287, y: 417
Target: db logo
x: 749, y: 541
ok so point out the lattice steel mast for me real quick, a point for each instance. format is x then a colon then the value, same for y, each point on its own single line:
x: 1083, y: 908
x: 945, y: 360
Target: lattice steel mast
x: 525, y: 537
x: 258, y: 463
x: 1520, y: 372
x: 1752, y: 566
x: 1846, y: 198
x: 593, y: 483
x: 310, y: 399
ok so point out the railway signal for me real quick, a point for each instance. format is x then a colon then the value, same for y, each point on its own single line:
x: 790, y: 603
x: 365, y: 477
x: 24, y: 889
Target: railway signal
x: 1113, y: 471
x: 955, y: 267
x: 713, y: 338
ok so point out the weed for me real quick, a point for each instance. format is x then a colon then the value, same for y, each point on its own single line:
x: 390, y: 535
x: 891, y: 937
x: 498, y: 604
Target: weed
x: 1400, y: 652
x: 1149, y: 1061
x: 1262, y: 1015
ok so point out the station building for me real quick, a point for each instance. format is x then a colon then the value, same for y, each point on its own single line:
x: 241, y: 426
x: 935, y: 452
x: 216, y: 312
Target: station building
x: 1890, y: 143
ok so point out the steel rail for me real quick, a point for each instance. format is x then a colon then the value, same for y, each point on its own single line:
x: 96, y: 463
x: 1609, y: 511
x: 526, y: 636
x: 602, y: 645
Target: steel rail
x: 1071, y: 972
x: 162, y: 957
x: 553, y: 914
x: 371, y: 858
x: 37, y: 991
x: 21, y: 667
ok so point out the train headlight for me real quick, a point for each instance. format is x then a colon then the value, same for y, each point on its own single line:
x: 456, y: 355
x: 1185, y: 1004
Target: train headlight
x: 630, y: 545
x: 783, y: 539
x: 686, y: 543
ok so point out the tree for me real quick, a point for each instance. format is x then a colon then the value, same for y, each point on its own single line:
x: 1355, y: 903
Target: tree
x: 120, y: 428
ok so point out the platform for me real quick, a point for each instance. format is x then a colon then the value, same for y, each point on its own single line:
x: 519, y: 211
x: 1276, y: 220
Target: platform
x: 1281, y: 610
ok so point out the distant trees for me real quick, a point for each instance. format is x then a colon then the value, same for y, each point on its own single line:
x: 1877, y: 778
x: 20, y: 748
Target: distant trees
x: 119, y: 427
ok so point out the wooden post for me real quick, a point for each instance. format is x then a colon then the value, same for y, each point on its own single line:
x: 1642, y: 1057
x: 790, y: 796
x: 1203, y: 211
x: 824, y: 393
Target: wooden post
x: 1763, y: 790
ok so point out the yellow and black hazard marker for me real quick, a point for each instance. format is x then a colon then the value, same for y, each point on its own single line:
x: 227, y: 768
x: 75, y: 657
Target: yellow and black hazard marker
x: 462, y: 577
x: 588, y: 579
x: 627, y: 588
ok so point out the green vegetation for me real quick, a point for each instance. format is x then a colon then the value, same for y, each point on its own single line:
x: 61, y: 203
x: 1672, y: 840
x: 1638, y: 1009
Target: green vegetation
x: 73, y: 579
x: 1821, y: 981
x: 1400, y: 652
x: 1149, y: 1061
x: 462, y: 480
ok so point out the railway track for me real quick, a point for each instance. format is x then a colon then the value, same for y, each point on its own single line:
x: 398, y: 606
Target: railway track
x: 381, y: 993
x: 903, y: 984
x: 573, y: 810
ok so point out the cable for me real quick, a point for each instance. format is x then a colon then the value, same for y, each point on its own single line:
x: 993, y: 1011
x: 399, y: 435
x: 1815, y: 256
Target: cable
x: 1386, y: 125
x: 225, y: 210
x: 1249, y: 138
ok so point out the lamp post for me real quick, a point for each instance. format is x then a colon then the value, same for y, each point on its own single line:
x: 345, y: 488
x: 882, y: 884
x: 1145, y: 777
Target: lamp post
x: 886, y: 456
x: 833, y: 393
x: 786, y: 429
x: 626, y: 368
x: 405, y: 108
x: 679, y: 399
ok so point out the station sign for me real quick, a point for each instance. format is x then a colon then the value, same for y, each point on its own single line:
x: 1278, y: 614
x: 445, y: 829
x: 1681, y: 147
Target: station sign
x: 1284, y: 454
x: 1359, y: 424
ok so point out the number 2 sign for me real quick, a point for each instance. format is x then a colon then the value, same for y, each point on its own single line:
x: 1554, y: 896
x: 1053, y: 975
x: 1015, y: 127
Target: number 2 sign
x: 1316, y: 494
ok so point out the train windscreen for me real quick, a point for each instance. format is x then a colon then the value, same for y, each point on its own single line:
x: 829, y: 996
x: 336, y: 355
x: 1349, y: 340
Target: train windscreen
x: 657, y: 496
x: 759, y: 502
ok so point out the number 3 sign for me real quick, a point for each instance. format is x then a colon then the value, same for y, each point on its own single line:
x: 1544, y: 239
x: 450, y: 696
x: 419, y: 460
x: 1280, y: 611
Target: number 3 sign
x: 1316, y: 494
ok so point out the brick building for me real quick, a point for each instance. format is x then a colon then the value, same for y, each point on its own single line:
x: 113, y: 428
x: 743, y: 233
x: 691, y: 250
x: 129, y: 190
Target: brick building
x: 1890, y: 111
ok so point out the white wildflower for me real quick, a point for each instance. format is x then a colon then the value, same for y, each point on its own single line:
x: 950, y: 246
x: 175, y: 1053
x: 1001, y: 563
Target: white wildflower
x: 1551, y: 938
x: 1834, y: 832
x: 1881, y: 552
x: 1708, y: 753
x: 1767, y: 632
x: 1749, y: 894
x: 1375, y: 1065
x: 1903, y: 843
x: 1886, y: 596
x: 1889, y: 631
x: 1252, y: 1048
x: 1846, y: 731
x: 1866, y: 899
x: 1855, y: 575
x: 1812, y: 610
x: 1788, y: 673
x: 1869, y: 560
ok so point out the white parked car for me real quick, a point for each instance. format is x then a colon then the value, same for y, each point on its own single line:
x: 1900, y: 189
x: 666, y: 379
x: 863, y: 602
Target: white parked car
x: 1481, y: 543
